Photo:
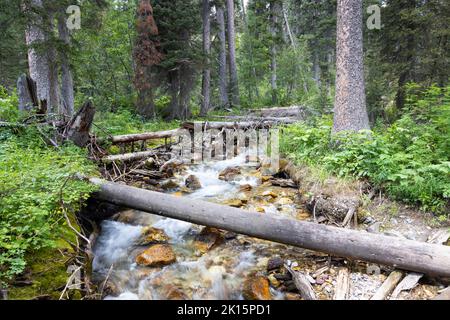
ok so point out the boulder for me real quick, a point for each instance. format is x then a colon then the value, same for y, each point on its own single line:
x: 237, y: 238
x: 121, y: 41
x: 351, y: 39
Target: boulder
x: 152, y: 235
x: 275, y: 263
x: 256, y: 288
x: 208, y: 239
x: 193, y: 183
x: 156, y: 256
x: 229, y: 173
x: 169, y: 184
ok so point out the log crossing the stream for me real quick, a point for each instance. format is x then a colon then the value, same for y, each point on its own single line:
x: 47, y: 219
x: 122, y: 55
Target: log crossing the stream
x: 431, y: 259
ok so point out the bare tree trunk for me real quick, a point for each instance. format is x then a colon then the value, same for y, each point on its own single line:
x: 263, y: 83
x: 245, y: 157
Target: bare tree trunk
x: 350, y: 111
x: 206, y: 80
x: 37, y: 57
x: 234, y: 85
x: 53, y: 102
x: 288, y: 28
x: 274, y: 11
x: 223, y: 85
x: 67, y: 96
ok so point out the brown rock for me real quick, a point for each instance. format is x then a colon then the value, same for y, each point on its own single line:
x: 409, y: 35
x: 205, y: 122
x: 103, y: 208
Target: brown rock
x: 257, y: 288
x: 169, y: 184
x: 174, y: 293
x: 275, y: 263
x: 152, y: 235
x: 156, y: 256
x: 193, y: 183
x: 245, y: 187
x: 229, y: 173
x: 236, y: 203
x: 208, y: 239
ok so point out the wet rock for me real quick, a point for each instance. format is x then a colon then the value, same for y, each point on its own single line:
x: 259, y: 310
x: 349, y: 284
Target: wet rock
x: 152, y: 235
x: 257, y: 288
x: 174, y: 293
x: 265, y: 178
x: 285, y: 201
x: 208, y: 239
x: 245, y: 187
x: 275, y: 263
x: 292, y: 296
x: 169, y: 184
x: 284, y: 183
x: 273, y: 281
x: 193, y: 183
x: 156, y: 256
x: 269, y: 193
x: 236, y: 203
x: 260, y: 209
x: 229, y: 173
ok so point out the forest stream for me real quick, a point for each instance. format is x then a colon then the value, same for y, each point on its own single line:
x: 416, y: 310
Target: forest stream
x: 205, y: 263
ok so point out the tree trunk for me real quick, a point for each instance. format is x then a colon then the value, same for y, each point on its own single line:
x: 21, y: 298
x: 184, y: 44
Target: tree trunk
x: 274, y: 11
x: 67, y: 96
x: 223, y: 84
x: 80, y: 125
x: 26, y: 92
x: 234, y: 85
x: 54, y: 99
x: 206, y: 80
x: 350, y: 111
x: 36, y: 38
x: 405, y: 254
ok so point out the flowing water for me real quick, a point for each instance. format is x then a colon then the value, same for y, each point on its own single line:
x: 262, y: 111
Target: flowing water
x: 218, y: 273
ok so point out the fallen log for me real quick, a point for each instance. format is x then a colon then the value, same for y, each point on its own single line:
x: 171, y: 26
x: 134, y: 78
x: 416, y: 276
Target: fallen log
x: 405, y: 254
x: 144, y: 136
x: 243, y: 125
x: 128, y: 156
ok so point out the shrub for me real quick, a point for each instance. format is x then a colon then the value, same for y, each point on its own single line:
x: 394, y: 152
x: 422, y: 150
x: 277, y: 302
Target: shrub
x: 409, y: 159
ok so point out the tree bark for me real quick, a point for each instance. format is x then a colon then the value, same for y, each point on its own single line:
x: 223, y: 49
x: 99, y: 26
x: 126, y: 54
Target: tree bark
x: 26, y: 92
x: 234, y: 85
x: 274, y: 11
x: 36, y: 38
x: 80, y: 125
x: 67, y: 95
x: 350, y: 111
x: 223, y: 84
x: 206, y: 79
x: 360, y: 245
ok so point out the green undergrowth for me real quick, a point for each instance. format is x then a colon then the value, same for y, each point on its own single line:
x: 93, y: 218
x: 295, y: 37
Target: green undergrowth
x: 409, y: 159
x: 37, y: 185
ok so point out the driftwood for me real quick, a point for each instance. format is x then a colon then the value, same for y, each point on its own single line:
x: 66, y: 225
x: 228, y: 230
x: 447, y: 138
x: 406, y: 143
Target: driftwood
x: 302, y: 284
x: 388, y: 285
x: 128, y: 156
x: 343, y: 285
x: 411, y: 279
x: 358, y: 245
x: 80, y: 125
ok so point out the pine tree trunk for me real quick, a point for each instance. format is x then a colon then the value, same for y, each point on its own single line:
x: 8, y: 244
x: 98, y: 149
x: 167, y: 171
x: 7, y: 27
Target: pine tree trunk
x: 274, y: 11
x: 234, y: 85
x: 206, y: 80
x: 54, y: 99
x: 67, y: 95
x: 223, y: 85
x: 37, y: 58
x: 350, y: 111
